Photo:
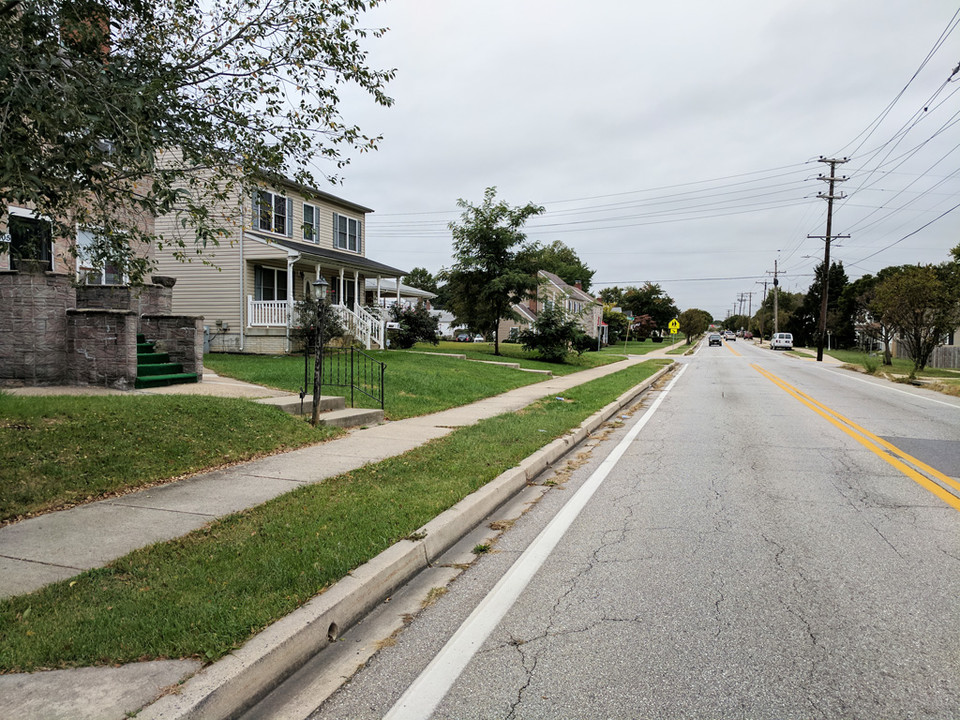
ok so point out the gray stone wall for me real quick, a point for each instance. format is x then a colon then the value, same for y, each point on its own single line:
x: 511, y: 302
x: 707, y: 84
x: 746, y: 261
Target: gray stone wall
x: 179, y: 335
x: 33, y: 324
x: 101, y: 348
x: 148, y: 299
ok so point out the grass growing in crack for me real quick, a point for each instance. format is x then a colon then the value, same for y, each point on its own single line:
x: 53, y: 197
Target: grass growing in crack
x: 205, y: 594
x: 481, y: 548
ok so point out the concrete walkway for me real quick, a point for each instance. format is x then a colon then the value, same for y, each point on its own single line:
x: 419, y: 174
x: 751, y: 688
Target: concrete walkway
x: 59, y: 545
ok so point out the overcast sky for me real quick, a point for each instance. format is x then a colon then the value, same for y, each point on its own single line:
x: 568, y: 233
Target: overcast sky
x: 674, y: 142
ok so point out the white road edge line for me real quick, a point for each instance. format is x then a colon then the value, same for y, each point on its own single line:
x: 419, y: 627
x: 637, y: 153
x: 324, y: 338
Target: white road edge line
x: 879, y: 386
x: 431, y: 686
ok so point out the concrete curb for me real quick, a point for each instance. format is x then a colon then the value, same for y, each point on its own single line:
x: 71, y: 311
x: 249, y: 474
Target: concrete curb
x: 235, y: 683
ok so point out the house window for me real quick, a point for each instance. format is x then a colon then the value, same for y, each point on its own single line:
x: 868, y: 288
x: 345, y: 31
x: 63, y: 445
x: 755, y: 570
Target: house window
x: 311, y: 218
x: 269, y: 283
x: 30, y: 239
x: 91, y: 271
x: 346, y: 233
x: 272, y: 212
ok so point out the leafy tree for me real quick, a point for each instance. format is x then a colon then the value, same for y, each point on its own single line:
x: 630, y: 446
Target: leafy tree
x: 612, y: 296
x: 553, y: 334
x: 486, y: 280
x: 421, y: 278
x: 694, y: 323
x: 650, y: 299
x: 806, y: 321
x: 858, y: 302
x: 617, y: 324
x: 735, y: 322
x: 558, y: 259
x: 643, y: 326
x: 923, y: 305
x: 125, y: 109
x: 416, y: 325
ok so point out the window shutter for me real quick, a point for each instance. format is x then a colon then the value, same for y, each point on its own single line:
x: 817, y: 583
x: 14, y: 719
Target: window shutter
x: 289, y: 217
x: 359, y: 237
x: 335, y: 216
x: 255, y: 207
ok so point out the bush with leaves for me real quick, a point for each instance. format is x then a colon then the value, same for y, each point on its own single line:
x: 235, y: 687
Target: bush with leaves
x: 307, y: 323
x: 416, y: 325
x: 553, y: 334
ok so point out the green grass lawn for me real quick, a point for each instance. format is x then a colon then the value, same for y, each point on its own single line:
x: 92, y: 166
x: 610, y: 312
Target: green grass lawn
x: 61, y: 450
x: 413, y: 383
x: 205, y: 594
x: 900, y: 366
x: 641, y: 347
x: 513, y: 352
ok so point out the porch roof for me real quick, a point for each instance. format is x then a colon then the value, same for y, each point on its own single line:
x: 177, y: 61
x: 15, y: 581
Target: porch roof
x: 327, y: 257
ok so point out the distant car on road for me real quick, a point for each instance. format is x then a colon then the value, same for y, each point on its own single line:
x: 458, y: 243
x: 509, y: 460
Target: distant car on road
x: 729, y: 335
x: 464, y: 337
x: 715, y: 340
x: 781, y: 341
x: 479, y: 338
x: 747, y: 335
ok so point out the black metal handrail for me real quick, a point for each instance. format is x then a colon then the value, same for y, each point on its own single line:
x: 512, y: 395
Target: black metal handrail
x: 352, y: 368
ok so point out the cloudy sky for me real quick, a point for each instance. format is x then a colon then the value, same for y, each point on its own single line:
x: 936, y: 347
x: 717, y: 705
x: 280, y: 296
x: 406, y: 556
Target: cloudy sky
x: 673, y: 142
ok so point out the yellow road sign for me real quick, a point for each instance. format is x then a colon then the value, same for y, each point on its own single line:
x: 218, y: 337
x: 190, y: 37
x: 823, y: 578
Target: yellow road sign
x: 674, y: 325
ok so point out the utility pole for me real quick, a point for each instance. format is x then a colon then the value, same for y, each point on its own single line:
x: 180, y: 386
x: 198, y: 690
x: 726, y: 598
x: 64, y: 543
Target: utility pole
x: 749, y: 297
x: 762, y: 301
x: 825, y: 289
x: 776, y: 297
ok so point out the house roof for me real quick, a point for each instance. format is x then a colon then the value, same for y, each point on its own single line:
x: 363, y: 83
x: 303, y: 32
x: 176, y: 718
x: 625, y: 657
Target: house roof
x: 313, y: 192
x: 526, y: 314
x: 390, y: 287
x: 571, y: 291
x: 326, y: 257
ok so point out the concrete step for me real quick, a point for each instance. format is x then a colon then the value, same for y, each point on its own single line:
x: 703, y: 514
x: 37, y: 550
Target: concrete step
x: 351, y: 417
x: 291, y: 403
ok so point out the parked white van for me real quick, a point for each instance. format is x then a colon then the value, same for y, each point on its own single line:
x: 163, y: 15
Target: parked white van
x: 781, y: 341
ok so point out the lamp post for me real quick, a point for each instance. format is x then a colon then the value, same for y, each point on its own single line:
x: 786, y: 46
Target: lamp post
x: 320, y: 293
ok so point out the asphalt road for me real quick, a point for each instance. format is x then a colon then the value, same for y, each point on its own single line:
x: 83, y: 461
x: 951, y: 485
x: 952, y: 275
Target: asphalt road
x: 757, y: 550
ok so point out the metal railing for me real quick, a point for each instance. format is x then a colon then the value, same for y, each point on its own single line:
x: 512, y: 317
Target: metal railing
x: 352, y: 368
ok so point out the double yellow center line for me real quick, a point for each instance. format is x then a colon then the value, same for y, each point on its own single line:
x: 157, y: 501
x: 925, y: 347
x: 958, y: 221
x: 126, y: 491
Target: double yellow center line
x: 930, y: 479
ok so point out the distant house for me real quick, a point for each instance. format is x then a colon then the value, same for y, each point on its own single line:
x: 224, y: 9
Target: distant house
x: 384, y: 294
x: 552, y: 290
x: 285, y: 237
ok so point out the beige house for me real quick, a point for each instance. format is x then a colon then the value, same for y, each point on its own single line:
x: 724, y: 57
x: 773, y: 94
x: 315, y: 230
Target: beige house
x: 285, y: 237
x: 552, y: 290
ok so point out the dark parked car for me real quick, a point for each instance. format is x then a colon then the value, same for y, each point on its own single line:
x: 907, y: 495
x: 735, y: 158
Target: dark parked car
x: 715, y: 340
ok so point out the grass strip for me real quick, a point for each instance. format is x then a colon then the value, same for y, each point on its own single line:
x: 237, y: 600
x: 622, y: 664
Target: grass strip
x: 207, y: 593
x: 900, y: 366
x: 514, y: 353
x: 413, y: 383
x: 57, y: 451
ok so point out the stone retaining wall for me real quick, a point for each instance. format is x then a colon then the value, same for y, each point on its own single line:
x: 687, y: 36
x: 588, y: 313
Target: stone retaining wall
x: 33, y: 324
x: 102, y: 348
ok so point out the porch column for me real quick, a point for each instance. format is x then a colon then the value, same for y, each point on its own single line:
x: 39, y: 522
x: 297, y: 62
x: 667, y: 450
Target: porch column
x: 398, y: 291
x: 290, y: 262
x: 356, y: 289
x: 340, y: 284
x: 378, y: 291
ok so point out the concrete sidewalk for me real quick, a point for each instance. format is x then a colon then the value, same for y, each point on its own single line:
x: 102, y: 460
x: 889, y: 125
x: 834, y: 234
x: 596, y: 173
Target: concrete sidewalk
x: 59, y: 545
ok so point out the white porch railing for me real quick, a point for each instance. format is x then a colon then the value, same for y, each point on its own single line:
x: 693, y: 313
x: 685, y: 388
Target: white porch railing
x: 266, y: 313
x: 364, y: 326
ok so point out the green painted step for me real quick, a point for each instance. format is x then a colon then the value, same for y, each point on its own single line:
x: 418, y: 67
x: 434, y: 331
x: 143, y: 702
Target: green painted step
x: 152, y: 358
x: 163, y: 380
x: 170, y: 368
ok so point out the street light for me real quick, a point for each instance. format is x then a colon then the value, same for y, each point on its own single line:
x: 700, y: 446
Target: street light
x: 320, y: 293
